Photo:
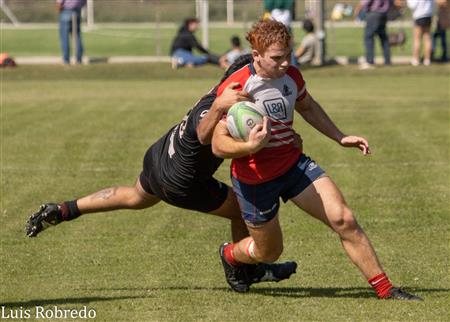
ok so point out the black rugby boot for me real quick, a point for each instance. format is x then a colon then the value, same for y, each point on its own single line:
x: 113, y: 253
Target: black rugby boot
x: 396, y: 293
x: 49, y: 214
x: 236, y: 276
x: 270, y: 272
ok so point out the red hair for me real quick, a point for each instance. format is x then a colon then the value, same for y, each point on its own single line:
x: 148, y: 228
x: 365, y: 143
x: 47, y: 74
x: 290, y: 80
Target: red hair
x: 265, y: 33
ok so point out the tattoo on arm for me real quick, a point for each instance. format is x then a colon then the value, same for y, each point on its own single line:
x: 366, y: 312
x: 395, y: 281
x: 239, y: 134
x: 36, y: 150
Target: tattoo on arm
x: 105, y: 194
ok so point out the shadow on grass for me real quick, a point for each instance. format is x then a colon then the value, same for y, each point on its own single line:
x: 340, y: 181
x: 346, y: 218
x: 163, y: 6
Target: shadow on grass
x: 69, y: 300
x: 294, y: 292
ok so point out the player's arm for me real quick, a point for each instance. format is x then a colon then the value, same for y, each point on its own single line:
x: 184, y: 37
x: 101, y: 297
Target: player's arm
x: 220, y: 106
x: 314, y: 114
x: 226, y: 147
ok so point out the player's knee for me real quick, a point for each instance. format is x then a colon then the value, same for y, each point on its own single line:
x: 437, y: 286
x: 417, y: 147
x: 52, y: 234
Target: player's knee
x: 344, y: 220
x: 136, y: 200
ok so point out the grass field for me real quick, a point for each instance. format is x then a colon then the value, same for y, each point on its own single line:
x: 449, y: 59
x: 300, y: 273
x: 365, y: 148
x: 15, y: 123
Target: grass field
x: 147, y: 41
x: 69, y: 132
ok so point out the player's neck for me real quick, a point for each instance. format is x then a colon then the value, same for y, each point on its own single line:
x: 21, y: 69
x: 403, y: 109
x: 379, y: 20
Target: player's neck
x: 260, y: 72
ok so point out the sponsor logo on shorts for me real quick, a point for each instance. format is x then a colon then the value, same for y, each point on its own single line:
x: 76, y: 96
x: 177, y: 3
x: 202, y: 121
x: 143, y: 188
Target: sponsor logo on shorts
x: 312, y: 166
x: 265, y: 212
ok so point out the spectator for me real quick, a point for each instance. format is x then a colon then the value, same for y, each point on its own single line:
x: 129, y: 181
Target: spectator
x: 183, y: 44
x: 68, y: 10
x: 280, y: 10
x: 236, y: 51
x: 306, y: 52
x: 441, y: 26
x: 422, y: 11
x: 376, y: 19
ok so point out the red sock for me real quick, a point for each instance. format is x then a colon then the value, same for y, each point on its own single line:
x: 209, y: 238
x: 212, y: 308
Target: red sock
x: 381, y: 285
x: 228, y: 253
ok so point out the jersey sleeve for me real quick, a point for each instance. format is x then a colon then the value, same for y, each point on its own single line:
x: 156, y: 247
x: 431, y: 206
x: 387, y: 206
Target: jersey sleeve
x: 295, y: 74
x: 239, y: 76
x: 201, y: 109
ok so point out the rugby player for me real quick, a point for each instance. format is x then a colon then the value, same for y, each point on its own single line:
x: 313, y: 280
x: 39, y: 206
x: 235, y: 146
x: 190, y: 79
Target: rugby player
x: 268, y: 166
x: 177, y: 169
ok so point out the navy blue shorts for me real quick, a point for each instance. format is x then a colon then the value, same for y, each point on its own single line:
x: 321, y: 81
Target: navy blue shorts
x: 259, y: 203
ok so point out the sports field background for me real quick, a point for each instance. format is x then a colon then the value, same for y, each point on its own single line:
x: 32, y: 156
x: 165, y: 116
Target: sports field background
x: 147, y: 40
x: 66, y: 132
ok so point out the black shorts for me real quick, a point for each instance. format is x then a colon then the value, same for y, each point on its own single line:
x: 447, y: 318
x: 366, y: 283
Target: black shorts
x: 204, y: 195
x: 423, y: 22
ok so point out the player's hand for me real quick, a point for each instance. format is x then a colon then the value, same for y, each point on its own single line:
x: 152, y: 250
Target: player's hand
x: 298, y: 142
x: 259, y: 136
x: 352, y: 141
x: 231, y: 96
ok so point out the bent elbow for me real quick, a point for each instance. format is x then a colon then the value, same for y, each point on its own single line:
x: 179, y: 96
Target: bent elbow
x: 217, y: 151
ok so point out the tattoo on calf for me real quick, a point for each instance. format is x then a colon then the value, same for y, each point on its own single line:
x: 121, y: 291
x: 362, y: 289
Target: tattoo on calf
x: 105, y: 194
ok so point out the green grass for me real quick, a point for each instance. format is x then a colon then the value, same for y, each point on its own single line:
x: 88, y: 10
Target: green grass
x: 147, y: 41
x: 68, y: 132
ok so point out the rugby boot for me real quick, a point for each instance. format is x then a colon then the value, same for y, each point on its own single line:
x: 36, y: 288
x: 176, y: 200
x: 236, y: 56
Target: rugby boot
x: 49, y: 214
x: 270, y: 272
x: 396, y: 293
x: 236, y: 276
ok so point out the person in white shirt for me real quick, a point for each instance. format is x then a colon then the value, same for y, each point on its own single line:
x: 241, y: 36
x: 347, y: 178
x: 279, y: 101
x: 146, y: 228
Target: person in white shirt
x: 422, y: 12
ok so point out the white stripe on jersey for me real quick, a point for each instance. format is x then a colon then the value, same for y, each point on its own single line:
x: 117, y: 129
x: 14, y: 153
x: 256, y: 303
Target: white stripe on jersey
x: 279, y: 143
x: 300, y: 93
x: 282, y: 135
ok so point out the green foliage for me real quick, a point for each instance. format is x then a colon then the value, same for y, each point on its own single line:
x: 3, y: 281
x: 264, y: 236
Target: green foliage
x: 67, y: 132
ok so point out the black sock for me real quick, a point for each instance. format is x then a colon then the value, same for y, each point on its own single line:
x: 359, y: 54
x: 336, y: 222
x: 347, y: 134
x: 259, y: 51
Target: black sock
x: 69, y: 210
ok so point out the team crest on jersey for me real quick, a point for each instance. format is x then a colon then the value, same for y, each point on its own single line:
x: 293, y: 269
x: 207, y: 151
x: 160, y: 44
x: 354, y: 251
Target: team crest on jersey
x: 286, y: 90
x: 276, y: 108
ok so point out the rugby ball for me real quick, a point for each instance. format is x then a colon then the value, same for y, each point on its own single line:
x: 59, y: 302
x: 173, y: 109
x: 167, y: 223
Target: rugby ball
x: 241, y: 118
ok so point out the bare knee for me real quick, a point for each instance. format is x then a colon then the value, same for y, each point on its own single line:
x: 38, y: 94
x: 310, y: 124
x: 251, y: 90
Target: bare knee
x: 139, y: 199
x: 344, y: 221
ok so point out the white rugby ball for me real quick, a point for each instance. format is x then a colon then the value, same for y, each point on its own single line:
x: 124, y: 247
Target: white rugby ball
x: 241, y: 119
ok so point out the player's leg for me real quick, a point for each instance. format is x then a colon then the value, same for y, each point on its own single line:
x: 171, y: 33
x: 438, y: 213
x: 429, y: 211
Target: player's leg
x: 230, y: 210
x: 121, y: 197
x: 265, y: 244
x: 324, y: 201
x: 247, y: 274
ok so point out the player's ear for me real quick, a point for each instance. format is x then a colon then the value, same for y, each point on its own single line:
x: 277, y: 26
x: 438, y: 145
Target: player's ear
x: 256, y: 55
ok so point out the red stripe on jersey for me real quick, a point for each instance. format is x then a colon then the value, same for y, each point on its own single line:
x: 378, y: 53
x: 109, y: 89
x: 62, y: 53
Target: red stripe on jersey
x: 267, y: 164
x: 240, y: 76
x: 295, y: 74
x: 273, y: 122
x: 278, y: 131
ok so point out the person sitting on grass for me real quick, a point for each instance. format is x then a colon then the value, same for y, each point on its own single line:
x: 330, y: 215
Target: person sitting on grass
x: 183, y: 44
x: 236, y: 51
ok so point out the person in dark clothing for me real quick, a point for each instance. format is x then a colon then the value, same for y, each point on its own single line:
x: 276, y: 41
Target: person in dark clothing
x: 184, y: 42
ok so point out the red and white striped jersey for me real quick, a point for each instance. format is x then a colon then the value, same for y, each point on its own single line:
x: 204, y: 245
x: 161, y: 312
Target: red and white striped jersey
x: 276, y: 99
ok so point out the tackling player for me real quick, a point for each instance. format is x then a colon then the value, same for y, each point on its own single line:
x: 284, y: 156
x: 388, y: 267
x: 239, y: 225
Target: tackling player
x: 178, y: 169
x: 268, y: 166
